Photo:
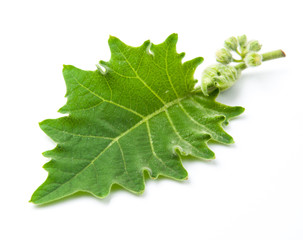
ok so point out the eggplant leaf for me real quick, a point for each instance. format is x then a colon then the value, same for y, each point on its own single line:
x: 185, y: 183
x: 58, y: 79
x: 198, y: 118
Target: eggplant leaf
x: 140, y: 113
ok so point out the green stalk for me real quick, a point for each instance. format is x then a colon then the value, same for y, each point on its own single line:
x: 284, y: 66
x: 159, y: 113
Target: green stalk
x: 265, y: 57
x: 273, y: 55
x: 241, y: 66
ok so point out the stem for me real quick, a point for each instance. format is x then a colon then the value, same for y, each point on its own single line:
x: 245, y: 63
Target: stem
x: 236, y: 60
x: 241, y: 66
x: 273, y: 55
x: 237, y: 51
x: 265, y: 57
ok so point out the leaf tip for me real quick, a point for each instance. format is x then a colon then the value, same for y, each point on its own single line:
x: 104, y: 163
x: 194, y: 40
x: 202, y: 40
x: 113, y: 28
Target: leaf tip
x: 113, y: 39
x: 231, y: 141
x: 67, y: 67
x: 199, y: 60
x: 34, y: 198
x: 241, y: 109
x: 173, y: 38
x: 182, y: 55
x: 42, y: 124
x: 212, y: 156
x: 146, y: 43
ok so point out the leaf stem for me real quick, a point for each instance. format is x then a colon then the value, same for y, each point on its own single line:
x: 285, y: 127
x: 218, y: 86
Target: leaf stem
x: 273, y: 55
x: 265, y: 57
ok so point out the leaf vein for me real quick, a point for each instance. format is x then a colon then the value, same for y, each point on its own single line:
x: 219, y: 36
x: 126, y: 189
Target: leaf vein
x: 108, y: 101
x: 160, y: 110
x: 122, y: 155
x: 79, y: 135
x: 178, y: 134
x: 213, y: 133
x: 153, y: 149
x: 168, y: 76
x: 141, y: 80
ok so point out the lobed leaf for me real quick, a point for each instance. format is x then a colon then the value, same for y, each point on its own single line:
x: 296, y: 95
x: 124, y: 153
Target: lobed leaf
x: 141, y: 113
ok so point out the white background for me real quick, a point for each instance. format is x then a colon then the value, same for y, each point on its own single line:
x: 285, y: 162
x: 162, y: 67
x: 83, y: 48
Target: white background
x: 252, y: 190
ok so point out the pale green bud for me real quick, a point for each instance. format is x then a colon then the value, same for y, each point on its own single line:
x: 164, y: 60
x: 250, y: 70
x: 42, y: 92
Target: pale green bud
x: 253, y: 59
x: 224, y: 56
x: 231, y: 43
x: 242, y: 41
x: 218, y: 76
x: 254, y: 46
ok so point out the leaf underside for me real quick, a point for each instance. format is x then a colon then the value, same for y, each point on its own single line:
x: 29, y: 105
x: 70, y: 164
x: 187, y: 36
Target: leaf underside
x: 140, y: 114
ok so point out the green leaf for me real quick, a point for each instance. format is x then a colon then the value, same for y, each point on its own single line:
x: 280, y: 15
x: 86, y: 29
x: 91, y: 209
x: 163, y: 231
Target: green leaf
x: 141, y: 113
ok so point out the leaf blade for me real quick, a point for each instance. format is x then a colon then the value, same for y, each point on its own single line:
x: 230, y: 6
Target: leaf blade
x: 140, y: 114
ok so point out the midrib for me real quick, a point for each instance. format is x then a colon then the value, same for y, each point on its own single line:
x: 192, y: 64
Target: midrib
x: 143, y: 120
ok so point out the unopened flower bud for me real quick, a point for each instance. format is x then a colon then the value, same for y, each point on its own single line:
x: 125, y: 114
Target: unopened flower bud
x: 218, y: 76
x: 254, y: 46
x: 242, y: 41
x: 231, y: 43
x: 224, y: 56
x: 253, y: 59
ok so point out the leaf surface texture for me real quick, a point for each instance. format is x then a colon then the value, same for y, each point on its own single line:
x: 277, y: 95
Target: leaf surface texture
x: 138, y: 112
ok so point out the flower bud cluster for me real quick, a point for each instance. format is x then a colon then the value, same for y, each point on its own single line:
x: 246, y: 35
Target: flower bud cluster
x: 222, y: 76
x: 246, y: 49
x: 218, y: 76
